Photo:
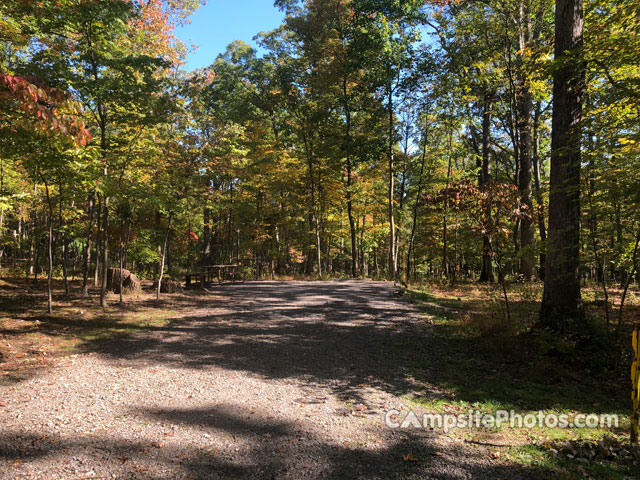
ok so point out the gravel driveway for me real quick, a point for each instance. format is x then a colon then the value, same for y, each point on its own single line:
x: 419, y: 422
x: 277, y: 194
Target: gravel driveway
x: 265, y: 380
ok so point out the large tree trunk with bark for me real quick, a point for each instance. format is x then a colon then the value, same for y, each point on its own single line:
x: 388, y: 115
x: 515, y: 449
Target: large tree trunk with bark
x: 484, y: 177
x: 537, y: 169
x: 525, y: 106
x: 561, y: 301
x: 527, y: 258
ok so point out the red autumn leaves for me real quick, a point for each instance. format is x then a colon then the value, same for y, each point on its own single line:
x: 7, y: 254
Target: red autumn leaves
x: 52, y: 109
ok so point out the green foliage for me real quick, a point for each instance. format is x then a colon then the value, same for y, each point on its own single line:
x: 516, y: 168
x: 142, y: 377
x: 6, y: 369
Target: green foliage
x: 283, y: 160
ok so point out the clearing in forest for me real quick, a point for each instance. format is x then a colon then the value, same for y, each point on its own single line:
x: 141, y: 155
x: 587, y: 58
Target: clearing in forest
x: 282, y: 380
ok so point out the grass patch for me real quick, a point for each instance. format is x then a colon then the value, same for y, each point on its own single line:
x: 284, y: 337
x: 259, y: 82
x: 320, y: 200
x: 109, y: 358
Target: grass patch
x: 479, y: 361
x: 31, y: 339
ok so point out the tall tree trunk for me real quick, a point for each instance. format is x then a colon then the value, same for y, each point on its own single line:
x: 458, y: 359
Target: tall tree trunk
x: 15, y: 249
x: 486, y: 275
x: 527, y: 257
x: 414, y: 213
x: 34, y: 248
x: 87, y: 251
x: 401, y: 203
x: 102, y: 124
x: 206, y: 236
x: 120, y: 261
x: 348, y: 161
x: 36, y: 236
x: 164, y: 253
x: 49, y: 250
x: 126, y: 243
x: 105, y: 208
x: 63, y: 243
x: 96, y: 268
x: 314, y: 207
x: 525, y: 106
x: 105, y: 251
x: 393, y: 263
x: 445, y: 213
x: 352, y: 223
x: 561, y: 300
x: 50, y: 263
x: 537, y: 168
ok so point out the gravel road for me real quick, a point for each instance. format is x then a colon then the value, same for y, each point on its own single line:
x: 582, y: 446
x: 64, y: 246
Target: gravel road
x: 265, y: 380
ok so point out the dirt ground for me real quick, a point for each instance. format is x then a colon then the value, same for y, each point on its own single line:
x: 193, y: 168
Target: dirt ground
x: 265, y: 380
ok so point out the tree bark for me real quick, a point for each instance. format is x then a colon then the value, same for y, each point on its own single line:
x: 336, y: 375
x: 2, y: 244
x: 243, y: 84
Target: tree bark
x: 96, y: 269
x: 348, y: 161
x: 561, y: 300
x: 206, y: 236
x: 120, y: 261
x: 164, y: 252
x: 309, y: 147
x: 49, y: 250
x: 525, y: 106
x: 393, y: 259
x: 63, y: 242
x: 416, y: 204
x: 445, y: 213
x: 527, y: 258
x: 486, y: 275
x: 87, y: 251
x: 537, y: 167
x: 105, y: 252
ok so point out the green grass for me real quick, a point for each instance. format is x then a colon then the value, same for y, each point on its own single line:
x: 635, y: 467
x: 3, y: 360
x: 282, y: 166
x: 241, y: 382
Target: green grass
x: 509, y: 369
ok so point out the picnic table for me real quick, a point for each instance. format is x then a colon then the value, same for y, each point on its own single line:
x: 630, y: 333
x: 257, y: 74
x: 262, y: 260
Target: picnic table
x: 209, y: 273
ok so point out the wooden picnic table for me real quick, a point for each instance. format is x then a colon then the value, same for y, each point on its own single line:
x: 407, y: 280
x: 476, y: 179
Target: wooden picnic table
x: 207, y: 273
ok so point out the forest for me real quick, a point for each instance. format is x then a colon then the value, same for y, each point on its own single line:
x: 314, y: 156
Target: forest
x: 481, y: 157
x: 396, y: 140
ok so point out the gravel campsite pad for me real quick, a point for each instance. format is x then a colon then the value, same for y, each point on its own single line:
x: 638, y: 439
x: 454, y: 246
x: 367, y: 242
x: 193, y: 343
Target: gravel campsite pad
x: 282, y: 380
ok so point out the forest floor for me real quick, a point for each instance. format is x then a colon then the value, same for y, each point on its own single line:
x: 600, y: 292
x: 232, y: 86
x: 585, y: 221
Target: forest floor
x: 291, y: 380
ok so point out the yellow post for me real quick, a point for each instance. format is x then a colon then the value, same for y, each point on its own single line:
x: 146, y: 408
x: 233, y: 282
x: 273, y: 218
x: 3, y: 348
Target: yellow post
x: 635, y: 382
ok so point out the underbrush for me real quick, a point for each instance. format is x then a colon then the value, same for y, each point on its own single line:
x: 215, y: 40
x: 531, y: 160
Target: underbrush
x: 487, y: 362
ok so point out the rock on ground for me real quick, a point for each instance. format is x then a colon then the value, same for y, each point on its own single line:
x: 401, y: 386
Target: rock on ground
x: 130, y: 283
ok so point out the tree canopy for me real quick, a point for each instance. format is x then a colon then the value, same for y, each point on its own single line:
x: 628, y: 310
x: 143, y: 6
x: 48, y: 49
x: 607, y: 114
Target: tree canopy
x: 399, y: 140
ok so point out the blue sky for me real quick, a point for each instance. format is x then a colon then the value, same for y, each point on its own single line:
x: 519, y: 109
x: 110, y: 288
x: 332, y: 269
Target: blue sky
x: 220, y: 22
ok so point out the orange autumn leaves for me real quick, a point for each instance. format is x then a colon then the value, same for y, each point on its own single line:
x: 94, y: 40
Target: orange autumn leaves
x: 29, y: 103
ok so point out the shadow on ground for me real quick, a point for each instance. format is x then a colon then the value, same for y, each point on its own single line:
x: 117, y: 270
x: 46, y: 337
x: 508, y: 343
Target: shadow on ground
x: 339, y: 336
x: 346, y: 335
x: 265, y: 450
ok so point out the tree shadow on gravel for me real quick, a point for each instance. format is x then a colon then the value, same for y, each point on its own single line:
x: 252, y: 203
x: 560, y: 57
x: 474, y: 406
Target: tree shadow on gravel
x: 243, y: 446
x: 339, y: 335
x: 342, y: 336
